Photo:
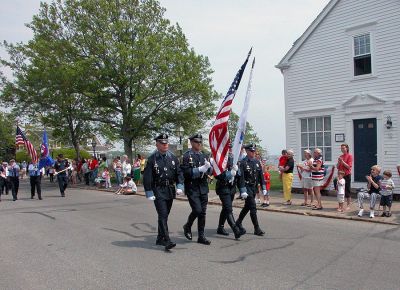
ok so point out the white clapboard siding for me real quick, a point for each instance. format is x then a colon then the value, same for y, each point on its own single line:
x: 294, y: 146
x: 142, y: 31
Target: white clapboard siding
x: 318, y: 74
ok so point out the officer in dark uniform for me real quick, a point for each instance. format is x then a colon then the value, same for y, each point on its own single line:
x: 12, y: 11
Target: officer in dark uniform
x: 161, y: 174
x: 226, y: 189
x: 195, y: 169
x: 251, y: 176
x: 61, y: 165
x: 35, y: 176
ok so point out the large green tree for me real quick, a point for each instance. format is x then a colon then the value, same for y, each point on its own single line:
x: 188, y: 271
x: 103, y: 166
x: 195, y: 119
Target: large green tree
x: 7, y: 136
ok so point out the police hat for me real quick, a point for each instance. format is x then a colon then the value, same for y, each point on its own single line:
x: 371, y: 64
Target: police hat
x: 196, y: 138
x: 250, y: 147
x: 162, y: 138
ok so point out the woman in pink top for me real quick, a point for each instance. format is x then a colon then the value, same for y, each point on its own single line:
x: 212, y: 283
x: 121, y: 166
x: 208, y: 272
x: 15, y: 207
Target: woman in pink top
x: 345, y: 163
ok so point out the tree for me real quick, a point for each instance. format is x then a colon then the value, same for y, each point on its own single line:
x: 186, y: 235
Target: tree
x: 7, y: 133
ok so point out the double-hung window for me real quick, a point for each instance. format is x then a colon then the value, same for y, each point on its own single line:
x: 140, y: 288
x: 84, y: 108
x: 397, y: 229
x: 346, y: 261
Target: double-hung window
x: 362, y: 54
x: 316, y: 133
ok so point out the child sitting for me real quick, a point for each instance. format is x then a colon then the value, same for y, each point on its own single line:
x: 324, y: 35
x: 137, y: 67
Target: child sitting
x: 128, y: 187
x: 340, y: 190
x: 387, y: 186
x: 106, y: 176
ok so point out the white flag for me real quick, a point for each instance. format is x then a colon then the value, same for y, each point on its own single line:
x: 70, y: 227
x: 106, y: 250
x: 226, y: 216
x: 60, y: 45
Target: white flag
x: 241, y: 130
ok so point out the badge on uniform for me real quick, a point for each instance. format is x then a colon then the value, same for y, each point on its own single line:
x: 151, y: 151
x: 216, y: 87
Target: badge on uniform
x: 173, y: 162
x: 257, y: 165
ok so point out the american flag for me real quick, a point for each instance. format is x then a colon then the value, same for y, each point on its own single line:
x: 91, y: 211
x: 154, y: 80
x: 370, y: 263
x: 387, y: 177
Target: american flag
x: 219, y: 134
x: 20, y: 139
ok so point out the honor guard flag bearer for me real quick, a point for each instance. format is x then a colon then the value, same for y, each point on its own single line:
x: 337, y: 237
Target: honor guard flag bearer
x: 45, y: 159
x: 20, y: 139
x: 219, y: 134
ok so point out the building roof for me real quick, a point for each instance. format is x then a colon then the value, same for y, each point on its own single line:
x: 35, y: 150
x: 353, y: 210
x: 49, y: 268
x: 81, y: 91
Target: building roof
x: 284, y: 63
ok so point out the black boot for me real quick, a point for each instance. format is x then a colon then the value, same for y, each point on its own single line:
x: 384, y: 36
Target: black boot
x: 160, y: 241
x: 187, y: 231
x: 201, y: 222
x: 257, y: 230
x: 239, y: 221
x: 221, y: 231
x: 234, y: 227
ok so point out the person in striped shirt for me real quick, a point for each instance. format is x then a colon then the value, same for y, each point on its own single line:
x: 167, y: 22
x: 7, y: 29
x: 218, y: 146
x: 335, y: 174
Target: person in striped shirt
x: 317, y: 176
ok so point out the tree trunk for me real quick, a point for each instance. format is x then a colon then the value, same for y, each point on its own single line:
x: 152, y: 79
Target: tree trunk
x: 128, y: 147
x: 77, y: 151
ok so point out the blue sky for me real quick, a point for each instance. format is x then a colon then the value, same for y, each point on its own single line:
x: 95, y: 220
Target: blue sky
x: 224, y: 31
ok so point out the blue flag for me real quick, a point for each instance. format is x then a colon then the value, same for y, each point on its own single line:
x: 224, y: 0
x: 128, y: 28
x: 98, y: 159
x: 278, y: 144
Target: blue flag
x: 45, y: 159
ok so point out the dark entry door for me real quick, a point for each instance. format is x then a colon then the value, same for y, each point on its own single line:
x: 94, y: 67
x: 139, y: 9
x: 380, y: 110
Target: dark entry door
x: 365, y: 147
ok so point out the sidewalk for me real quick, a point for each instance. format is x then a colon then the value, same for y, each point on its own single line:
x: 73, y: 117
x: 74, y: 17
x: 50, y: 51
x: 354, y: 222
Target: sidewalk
x: 276, y: 198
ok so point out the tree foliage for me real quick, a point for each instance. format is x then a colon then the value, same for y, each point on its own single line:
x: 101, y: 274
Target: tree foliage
x: 7, y: 134
x: 119, y: 64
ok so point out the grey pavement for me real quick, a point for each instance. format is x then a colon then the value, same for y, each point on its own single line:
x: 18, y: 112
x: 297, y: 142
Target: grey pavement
x: 97, y: 240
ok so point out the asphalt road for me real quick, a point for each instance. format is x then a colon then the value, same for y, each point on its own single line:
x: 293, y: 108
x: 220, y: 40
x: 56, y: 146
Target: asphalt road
x: 97, y: 240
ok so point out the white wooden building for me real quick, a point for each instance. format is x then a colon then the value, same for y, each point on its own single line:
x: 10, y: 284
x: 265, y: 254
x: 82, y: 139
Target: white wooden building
x: 342, y: 85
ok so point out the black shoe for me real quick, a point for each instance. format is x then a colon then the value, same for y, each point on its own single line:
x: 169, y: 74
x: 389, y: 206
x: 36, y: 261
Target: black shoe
x: 160, y: 242
x: 241, y: 229
x: 203, y: 240
x: 62, y: 194
x: 169, y: 245
x: 258, y: 231
x: 40, y: 198
x: 383, y: 214
x: 187, y: 232
x: 265, y: 205
x: 221, y: 231
x: 32, y: 196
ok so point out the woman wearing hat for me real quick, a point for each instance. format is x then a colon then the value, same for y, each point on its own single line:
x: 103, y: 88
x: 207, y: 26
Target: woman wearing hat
x: 306, y: 181
x: 287, y: 177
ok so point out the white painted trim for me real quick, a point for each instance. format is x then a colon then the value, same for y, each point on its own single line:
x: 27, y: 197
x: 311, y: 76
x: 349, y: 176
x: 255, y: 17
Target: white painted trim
x: 361, y: 26
x: 316, y: 110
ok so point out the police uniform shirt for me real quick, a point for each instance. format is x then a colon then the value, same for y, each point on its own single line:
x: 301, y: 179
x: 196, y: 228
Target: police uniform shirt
x: 162, y: 171
x: 251, y: 176
x: 61, y: 165
x: 34, y: 170
x: 224, y: 184
x: 195, y: 181
x: 13, y: 171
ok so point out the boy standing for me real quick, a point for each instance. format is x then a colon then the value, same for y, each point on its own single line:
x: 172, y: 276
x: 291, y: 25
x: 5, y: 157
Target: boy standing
x: 340, y: 190
x: 387, y: 186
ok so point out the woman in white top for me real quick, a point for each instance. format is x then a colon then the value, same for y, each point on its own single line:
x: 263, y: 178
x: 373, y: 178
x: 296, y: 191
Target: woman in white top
x: 306, y: 181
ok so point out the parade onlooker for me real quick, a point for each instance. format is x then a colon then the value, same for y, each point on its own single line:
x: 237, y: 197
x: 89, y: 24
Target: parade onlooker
x: 126, y: 166
x: 61, y: 166
x: 282, y: 162
x: 13, y: 178
x: 136, y: 169
x: 94, y: 169
x: 267, y: 177
x: 35, y: 177
x: 107, y: 179
x: 306, y: 181
x: 51, y: 173
x: 85, y: 171
x: 128, y: 187
x: 3, y: 179
x: 317, y: 176
x: 387, y: 186
x: 117, y: 166
x: 23, y: 169
x: 345, y: 163
x: 374, y: 180
x: 74, y: 172
x: 103, y: 164
x: 287, y: 177
x: 341, y: 184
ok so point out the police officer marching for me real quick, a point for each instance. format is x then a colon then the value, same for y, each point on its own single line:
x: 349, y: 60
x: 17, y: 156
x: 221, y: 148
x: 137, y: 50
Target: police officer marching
x: 61, y: 166
x: 251, y: 176
x: 35, y: 176
x: 226, y: 189
x: 195, y: 169
x: 161, y: 173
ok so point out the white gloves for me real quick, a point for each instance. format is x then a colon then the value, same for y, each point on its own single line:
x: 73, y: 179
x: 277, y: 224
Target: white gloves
x: 235, y: 167
x: 179, y: 191
x: 244, y: 195
x: 233, y: 172
x: 151, y: 198
x: 265, y: 192
x: 205, y: 167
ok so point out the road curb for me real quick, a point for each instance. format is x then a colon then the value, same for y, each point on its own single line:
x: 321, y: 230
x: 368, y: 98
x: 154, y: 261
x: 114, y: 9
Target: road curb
x: 353, y: 218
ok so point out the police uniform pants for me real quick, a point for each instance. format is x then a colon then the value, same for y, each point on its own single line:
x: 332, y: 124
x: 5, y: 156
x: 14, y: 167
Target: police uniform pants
x: 62, y: 182
x: 14, y: 182
x: 249, y: 205
x: 226, y: 200
x: 3, y: 185
x: 35, y: 183
x: 199, y: 207
x: 163, y: 208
